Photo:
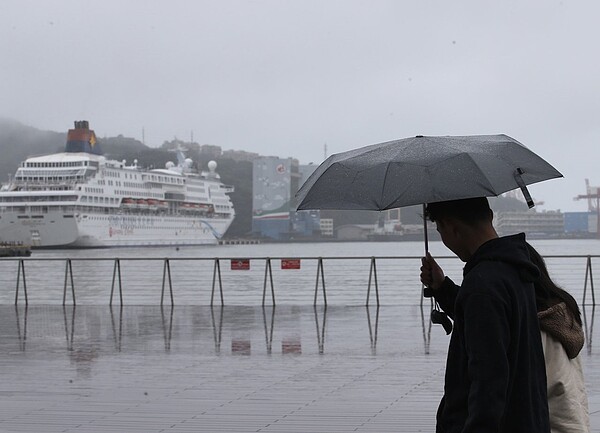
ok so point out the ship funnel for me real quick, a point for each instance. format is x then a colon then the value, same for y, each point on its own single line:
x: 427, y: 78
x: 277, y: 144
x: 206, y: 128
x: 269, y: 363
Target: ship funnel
x: 82, y: 124
x: 82, y: 139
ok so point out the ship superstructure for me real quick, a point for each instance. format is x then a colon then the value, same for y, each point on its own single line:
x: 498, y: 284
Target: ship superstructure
x: 79, y: 198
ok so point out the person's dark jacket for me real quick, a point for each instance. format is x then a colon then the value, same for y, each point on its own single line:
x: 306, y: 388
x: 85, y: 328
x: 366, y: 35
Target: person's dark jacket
x: 495, y: 372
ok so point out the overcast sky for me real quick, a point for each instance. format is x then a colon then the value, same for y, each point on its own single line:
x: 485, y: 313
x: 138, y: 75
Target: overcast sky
x: 285, y: 78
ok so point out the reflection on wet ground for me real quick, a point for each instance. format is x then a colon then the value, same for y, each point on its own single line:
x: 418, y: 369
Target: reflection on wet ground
x: 233, y: 369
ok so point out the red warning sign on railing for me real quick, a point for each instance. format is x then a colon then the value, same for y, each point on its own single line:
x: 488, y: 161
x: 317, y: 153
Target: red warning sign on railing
x: 290, y: 263
x: 240, y: 264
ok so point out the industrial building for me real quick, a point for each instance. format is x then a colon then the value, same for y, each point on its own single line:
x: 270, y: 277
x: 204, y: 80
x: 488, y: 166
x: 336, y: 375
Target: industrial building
x: 547, y: 224
x: 275, y: 182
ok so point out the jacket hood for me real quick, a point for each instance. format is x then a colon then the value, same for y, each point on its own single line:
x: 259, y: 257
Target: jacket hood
x: 509, y: 249
x: 561, y: 325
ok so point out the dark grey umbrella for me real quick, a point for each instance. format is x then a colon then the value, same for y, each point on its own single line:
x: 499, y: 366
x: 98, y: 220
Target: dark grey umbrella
x: 423, y: 169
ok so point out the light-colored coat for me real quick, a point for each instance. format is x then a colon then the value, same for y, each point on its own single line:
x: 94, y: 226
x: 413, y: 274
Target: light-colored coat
x: 567, y: 397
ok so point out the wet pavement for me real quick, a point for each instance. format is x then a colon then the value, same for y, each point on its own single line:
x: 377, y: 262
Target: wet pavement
x: 228, y: 369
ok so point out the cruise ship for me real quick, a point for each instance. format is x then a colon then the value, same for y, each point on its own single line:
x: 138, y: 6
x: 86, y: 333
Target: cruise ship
x: 78, y: 198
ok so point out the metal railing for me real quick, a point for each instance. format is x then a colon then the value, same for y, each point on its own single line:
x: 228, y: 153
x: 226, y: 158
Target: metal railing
x: 353, y: 273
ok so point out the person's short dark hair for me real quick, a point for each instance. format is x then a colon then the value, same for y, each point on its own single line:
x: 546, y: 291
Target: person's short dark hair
x: 469, y: 210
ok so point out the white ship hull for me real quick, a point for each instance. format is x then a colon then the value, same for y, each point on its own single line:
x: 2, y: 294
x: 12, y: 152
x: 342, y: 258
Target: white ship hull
x: 59, y: 229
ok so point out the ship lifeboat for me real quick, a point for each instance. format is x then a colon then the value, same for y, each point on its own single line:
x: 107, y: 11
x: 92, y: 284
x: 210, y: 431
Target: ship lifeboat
x: 128, y: 203
x: 142, y: 204
x: 204, y: 208
x: 187, y: 207
x: 163, y: 205
x: 152, y: 204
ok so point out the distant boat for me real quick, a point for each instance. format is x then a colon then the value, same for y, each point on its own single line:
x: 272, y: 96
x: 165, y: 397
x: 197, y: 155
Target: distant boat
x: 10, y: 249
x: 79, y: 198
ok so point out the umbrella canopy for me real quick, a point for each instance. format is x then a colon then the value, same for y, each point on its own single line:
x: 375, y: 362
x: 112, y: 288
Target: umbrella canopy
x: 422, y: 170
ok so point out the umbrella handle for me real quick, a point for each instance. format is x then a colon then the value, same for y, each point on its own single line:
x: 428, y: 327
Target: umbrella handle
x: 517, y: 174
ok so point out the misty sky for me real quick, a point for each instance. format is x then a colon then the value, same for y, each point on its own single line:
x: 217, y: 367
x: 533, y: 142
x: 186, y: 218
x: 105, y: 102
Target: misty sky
x: 287, y: 77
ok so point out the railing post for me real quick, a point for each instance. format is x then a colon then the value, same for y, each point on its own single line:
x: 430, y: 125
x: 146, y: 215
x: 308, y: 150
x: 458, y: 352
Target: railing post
x: 20, y: 269
x: 22, y: 338
x: 373, y: 334
x: 69, y: 334
x: 320, y: 273
x: 588, y: 271
x: 68, y: 271
x: 589, y: 331
x: 269, y: 331
x: 166, y: 270
x: 217, y: 332
x: 216, y: 272
x: 321, y: 331
x: 117, y: 336
x: 116, y: 272
x: 269, y: 273
x: 167, y: 335
x: 426, y: 332
x: 373, y: 273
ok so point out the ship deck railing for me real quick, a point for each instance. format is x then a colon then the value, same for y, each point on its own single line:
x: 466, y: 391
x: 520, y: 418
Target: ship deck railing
x: 358, y: 280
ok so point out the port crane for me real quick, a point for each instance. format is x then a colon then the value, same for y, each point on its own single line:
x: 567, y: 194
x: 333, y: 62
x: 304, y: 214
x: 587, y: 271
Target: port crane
x: 593, y: 197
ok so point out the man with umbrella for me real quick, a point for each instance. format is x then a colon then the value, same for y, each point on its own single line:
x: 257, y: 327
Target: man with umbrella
x: 495, y: 372
x: 495, y: 377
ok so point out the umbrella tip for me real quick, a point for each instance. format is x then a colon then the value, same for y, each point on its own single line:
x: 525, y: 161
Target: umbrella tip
x: 419, y: 136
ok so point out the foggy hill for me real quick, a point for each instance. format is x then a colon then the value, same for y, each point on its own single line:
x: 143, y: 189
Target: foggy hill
x: 18, y: 141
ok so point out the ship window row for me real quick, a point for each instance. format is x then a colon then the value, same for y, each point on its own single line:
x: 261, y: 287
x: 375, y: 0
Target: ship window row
x: 144, y: 223
x: 135, y: 185
x: 94, y: 190
x: 37, y: 172
x: 94, y: 199
x: 165, y: 179
x: 48, y: 179
x: 138, y: 194
x: 39, y: 198
x: 110, y: 173
x: 56, y: 164
x: 38, y: 209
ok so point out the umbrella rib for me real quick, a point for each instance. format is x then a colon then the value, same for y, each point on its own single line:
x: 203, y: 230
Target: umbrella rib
x: 387, y: 169
x: 485, y: 176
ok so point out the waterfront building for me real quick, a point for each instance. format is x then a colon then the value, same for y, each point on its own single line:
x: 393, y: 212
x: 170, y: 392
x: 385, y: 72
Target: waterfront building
x: 534, y: 224
x: 326, y: 227
x: 581, y: 224
x: 275, y: 182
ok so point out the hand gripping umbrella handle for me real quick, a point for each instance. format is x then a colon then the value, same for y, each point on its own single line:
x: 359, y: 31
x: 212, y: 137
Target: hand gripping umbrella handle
x: 517, y: 174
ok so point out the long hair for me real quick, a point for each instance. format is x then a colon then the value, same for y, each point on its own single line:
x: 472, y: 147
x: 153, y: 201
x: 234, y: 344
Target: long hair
x: 547, y: 293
